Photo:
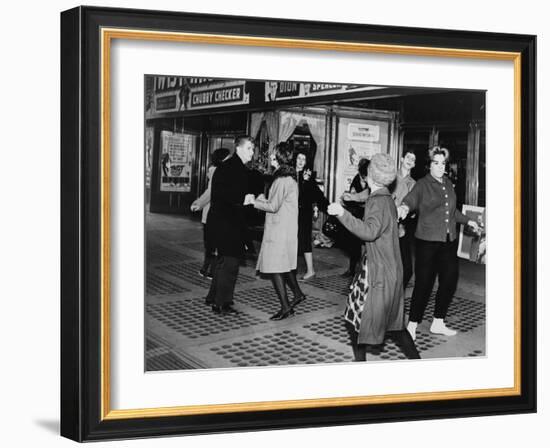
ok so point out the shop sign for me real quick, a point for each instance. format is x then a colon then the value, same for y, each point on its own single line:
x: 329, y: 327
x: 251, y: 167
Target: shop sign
x: 166, y: 102
x: 281, y: 90
x: 168, y: 83
x: 175, y: 94
x: 363, y: 132
x: 172, y: 83
x: 225, y: 94
x: 284, y: 90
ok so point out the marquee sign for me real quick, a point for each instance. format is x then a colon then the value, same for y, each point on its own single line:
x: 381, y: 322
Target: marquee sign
x: 286, y: 90
x: 178, y: 93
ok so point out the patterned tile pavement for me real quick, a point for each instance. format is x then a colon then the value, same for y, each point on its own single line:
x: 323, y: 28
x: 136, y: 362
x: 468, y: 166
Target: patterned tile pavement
x: 183, y: 333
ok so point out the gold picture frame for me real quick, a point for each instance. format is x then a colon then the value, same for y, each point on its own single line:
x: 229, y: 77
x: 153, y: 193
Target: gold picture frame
x: 97, y: 419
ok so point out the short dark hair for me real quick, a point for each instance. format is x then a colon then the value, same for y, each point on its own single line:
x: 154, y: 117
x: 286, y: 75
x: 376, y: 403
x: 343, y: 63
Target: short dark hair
x: 284, y: 154
x: 363, y: 167
x: 219, y: 155
x: 297, y: 153
x: 285, y: 157
x: 240, y: 139
x: 407, y: 151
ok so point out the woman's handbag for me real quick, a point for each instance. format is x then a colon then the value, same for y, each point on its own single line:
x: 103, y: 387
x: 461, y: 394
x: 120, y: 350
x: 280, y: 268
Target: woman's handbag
x: 332, y: 227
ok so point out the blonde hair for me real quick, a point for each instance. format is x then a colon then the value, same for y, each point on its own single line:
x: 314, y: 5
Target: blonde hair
x: 382, y: 169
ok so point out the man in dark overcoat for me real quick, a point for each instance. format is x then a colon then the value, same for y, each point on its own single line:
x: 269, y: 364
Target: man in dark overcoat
x: 226, y: 223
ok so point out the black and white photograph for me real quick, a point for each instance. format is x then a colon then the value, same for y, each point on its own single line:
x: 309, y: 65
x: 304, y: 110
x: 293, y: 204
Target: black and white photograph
x: 295, y: 223
x: 266, y: 224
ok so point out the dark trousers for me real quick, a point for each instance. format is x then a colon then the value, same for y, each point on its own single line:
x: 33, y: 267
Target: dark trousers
x: 209, y: 251
x: 401, y: 338
x: 225, y: 272
x: 405, y: 243
x: 434, y: 258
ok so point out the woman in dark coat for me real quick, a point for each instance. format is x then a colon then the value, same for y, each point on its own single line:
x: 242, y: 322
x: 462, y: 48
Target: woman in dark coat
x: 354, y: 202
x: 376, y: 303
x: 309, y: 194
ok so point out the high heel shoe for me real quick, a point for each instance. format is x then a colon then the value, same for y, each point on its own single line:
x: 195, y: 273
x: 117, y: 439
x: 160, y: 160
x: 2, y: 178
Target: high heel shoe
x: 280, y: 315
x: 297, y: 301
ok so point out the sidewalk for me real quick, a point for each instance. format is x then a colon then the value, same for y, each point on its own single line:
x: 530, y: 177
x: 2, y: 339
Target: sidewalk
x: 183, y: 333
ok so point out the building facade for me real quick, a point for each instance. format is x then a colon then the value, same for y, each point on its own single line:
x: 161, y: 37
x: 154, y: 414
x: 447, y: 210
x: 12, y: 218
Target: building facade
x: 334, y: 124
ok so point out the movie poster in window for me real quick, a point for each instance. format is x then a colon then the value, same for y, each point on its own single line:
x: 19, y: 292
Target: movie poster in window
x: 472, y: 244
x: 357, y: 139
x: 149, y: 139
x: 176, y: 160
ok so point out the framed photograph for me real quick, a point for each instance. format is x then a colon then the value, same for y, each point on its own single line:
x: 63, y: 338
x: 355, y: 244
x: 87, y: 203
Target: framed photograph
x: 472, y: 245
x: 201, y: 158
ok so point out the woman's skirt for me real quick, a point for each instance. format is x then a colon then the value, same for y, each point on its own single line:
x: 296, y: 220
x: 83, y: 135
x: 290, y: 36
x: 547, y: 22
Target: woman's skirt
x: 357, y: 295
x: 305, y: 228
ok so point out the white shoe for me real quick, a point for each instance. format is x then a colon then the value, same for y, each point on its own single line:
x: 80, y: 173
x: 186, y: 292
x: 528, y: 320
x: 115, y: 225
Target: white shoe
x: 439, y: 327
x: 411, y: 328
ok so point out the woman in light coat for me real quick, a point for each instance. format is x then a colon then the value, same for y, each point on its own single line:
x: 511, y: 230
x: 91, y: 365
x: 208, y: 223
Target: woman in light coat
x: 279, y: 250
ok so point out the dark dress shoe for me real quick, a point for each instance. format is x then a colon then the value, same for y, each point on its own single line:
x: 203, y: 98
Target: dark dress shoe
x: 217, y: 309
x: 347, y: 274
x: 205, y: 274
x: 297, y: 301
x: 228, y: 309
x: 280, y: 315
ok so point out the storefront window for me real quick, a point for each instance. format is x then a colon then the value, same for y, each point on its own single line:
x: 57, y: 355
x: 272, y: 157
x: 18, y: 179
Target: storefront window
x: 176, y: 161
x: 457, y: 144
x: 216, y: 142
x: 417, y: 141
x: 302, y: 141
x: 261, y: 151
x: 481, y: 170
x: 357, y: 139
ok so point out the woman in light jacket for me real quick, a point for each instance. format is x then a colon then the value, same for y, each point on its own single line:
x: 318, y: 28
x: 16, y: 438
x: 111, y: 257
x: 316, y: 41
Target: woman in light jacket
x: 279, y: 250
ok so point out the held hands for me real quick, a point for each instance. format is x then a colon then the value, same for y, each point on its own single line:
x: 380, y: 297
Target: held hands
x: 335, y: 209
x: 249, y: 199
x: 307, y: 174
x: 402, y: 212
x: 347, y: 196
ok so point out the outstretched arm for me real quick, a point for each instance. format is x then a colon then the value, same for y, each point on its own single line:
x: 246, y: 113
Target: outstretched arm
x: 368, y: 229
x: 204, y: 199
x: 276, y: 198
x: 362, y: 196
x: 319, y: 197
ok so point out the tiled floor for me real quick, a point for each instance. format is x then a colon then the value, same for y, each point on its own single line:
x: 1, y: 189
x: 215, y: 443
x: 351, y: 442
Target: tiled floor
x: 183, y: 333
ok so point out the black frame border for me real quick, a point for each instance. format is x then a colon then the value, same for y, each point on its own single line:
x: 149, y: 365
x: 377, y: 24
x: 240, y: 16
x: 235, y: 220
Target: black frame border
x: 81, y: 223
